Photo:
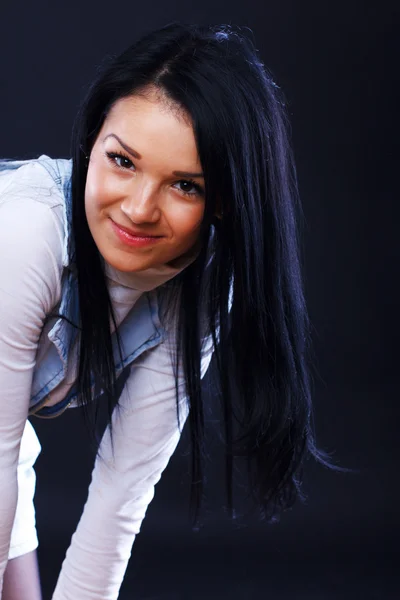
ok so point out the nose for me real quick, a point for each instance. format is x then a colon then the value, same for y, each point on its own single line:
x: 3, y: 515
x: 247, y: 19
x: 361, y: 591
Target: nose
x: 142, y: 205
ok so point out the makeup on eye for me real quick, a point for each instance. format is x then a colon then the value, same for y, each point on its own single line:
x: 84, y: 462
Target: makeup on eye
x: 111, y: 156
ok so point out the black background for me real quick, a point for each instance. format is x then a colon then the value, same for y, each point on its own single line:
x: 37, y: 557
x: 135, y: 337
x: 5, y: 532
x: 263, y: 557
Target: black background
x: 337, y: 63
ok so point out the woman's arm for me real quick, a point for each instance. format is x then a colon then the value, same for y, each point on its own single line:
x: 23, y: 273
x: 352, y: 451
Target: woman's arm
x: 145, y: 436
x: 29, y: 235
x: 21, y: 578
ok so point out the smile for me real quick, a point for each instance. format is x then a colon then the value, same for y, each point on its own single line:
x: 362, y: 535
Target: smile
x: 133, y: 239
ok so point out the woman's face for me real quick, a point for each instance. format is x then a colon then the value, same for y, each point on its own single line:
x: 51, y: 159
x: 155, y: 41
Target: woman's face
x: 144, y: 179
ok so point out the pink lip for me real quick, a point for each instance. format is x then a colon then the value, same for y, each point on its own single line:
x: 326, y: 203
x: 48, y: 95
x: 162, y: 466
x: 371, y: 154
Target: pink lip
x: 131, y: 239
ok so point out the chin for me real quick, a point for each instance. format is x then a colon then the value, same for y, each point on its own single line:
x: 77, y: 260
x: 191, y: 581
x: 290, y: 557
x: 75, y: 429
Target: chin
x: 134, y: 265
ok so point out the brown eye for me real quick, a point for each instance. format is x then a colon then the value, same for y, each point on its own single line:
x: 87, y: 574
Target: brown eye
x: 125, y: 162
x: 190, y: 188
x: 187, y: 186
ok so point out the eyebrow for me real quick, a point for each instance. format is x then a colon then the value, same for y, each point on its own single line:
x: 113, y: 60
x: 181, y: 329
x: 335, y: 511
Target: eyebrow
x: 130, y: 150
x: 133, y: 152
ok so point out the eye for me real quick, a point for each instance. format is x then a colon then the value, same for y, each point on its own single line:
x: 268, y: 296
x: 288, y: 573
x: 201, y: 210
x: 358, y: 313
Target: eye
x: 190, y: 188
x: 125, y: 163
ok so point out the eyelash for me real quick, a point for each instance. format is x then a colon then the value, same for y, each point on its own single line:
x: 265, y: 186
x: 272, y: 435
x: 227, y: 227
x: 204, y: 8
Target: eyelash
x: 112, y: 155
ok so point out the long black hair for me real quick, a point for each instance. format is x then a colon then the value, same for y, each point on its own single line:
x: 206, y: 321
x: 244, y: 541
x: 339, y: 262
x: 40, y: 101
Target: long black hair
x: 246, y: 284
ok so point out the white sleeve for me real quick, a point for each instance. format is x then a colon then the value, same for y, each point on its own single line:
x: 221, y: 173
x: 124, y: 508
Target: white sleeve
x: 145, y: 436
x: 29, y: 279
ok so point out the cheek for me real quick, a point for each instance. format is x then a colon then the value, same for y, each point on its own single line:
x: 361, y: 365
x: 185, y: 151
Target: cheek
x: 97, y: 192
x: 187, y: 221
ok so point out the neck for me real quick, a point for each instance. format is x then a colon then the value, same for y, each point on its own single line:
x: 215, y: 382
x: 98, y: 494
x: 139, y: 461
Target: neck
x: 153, y: 277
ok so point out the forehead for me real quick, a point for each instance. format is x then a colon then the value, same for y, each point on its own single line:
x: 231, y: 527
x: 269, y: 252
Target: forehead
x: 153, y: 125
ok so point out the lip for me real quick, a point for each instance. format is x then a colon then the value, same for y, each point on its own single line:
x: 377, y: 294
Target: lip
x: 132, y: 238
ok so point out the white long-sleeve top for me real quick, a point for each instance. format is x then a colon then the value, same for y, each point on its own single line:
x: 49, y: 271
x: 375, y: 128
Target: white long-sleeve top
x: 145, y: 428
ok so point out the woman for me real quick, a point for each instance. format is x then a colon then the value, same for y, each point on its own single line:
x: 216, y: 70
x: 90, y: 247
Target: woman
x: 170, y: 236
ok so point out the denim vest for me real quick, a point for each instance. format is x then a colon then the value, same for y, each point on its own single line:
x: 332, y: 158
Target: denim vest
x: 140, y: 330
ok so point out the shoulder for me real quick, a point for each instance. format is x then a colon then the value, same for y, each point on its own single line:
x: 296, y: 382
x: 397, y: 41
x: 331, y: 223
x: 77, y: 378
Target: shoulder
x: 32, y: 227
x: 37, y: 180
x: 32, y: 194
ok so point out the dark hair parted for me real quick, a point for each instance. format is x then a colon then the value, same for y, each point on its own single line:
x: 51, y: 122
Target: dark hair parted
x: 262, y: 343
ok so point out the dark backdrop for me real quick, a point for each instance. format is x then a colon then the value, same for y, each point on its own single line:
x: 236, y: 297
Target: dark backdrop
x: 338, y: 65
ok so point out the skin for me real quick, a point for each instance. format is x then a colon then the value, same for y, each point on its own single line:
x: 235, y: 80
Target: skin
x: 143, y: 192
